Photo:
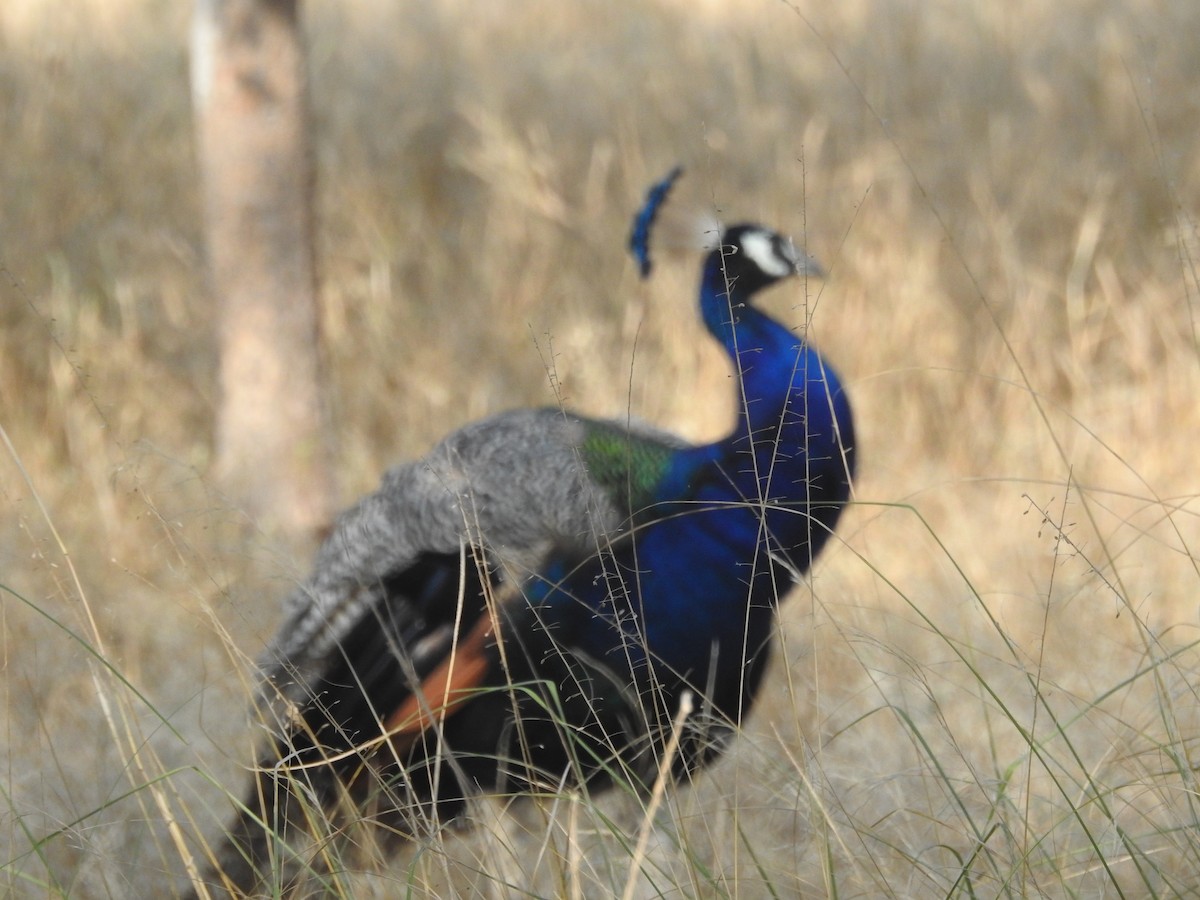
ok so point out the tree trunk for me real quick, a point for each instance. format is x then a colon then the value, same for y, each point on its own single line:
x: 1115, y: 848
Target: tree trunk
x: 250, y: 93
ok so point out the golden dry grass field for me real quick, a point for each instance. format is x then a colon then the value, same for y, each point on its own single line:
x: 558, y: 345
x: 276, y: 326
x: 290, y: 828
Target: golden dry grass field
x: 991, y: 684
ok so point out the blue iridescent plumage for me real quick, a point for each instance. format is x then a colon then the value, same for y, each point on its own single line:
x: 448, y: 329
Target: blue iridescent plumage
x: 529, y: 603
x: 734, y: 521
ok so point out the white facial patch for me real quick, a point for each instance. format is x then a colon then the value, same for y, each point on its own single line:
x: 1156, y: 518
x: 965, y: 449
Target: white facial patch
x: 760, y: 248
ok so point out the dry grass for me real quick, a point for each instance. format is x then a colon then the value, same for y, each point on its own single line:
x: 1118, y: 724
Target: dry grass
x: 990, y: 685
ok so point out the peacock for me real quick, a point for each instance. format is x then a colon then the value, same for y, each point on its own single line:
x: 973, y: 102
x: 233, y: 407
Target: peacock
x: 547, y: 599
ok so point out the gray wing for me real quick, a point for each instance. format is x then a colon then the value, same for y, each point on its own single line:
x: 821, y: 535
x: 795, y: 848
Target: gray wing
x: 514, y: 485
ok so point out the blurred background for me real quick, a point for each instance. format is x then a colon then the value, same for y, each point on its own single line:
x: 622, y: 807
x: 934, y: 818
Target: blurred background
x: 988, y: 686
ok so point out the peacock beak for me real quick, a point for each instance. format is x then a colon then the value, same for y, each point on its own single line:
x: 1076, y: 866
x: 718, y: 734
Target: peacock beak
x: 808, y: 267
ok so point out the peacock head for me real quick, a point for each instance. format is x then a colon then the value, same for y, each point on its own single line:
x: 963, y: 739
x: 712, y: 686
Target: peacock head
x: 751, y: 257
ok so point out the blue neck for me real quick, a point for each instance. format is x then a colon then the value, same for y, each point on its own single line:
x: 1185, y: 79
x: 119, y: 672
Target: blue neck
x: 793, y: 417
x: 793, y: 441
x: 768, y: 358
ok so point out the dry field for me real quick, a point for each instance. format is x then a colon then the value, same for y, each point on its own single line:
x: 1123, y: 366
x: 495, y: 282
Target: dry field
x: 990, y: 685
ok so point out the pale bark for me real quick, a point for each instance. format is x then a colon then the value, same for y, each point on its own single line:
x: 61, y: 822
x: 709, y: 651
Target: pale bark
x: 250, y: 95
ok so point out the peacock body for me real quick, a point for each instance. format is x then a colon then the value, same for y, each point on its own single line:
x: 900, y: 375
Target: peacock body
x: 528, y: 605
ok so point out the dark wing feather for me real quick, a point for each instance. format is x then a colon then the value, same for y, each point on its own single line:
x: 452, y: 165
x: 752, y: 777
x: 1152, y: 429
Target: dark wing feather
x: 401, y: 639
